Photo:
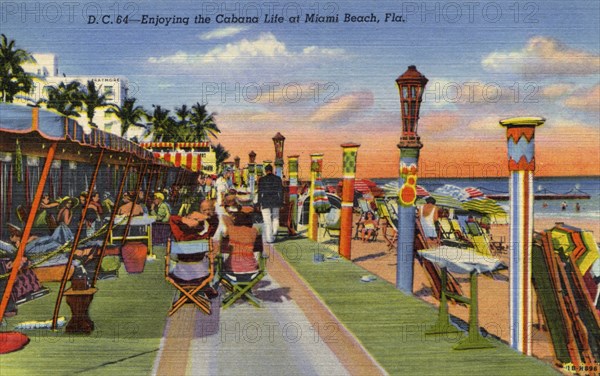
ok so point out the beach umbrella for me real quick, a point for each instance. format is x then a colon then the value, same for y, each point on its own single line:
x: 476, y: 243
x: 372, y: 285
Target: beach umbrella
x: 446, y: 201
x: 363, y: 186
x: 484, y: 205
x: 452, y: 191
x: 473, y: 192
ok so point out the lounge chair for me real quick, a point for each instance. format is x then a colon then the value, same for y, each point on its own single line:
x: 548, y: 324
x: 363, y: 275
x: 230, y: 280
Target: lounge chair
x: 481, y: 241
x: 365, y: 208
x: 331, y: 221
x: 451, y: 234
x: 384, y: 213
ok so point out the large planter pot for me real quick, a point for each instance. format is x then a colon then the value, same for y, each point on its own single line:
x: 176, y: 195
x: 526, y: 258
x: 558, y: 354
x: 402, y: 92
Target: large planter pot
x: 134, y: 256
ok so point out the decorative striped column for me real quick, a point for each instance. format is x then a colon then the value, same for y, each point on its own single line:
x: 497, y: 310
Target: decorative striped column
x: 293, y: 172
x: 316, y: 165
x: 251, y: 180
x: 409, y: 159
x: 350, y: 151
x: 252, y: 173
x: 521, y: 165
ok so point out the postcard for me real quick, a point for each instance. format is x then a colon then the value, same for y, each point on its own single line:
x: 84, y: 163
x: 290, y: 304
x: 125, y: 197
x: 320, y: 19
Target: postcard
x: 408, y: 187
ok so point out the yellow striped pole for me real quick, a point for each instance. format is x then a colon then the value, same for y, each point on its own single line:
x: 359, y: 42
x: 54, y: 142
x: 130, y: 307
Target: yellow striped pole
x: 316, y: 164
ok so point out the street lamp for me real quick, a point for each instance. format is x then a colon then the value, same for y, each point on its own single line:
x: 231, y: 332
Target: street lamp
x: 251, y: 173
x: 410, y: 86
x: 278, y: 141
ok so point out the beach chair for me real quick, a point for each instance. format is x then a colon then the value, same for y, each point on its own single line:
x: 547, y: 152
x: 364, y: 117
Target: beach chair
x: 451, y: 235
x: 331, y: 221
x: 384, y: 213
x: 365, y: 208
x: 243, y: 267
x: 189, y: 267
x: 479, y: 238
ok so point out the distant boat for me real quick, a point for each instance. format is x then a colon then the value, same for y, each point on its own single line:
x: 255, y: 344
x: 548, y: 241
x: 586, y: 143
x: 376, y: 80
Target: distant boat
x: 573, y: 194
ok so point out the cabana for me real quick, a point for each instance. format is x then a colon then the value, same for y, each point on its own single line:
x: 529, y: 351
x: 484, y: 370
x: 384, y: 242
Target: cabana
x: 42, y: 152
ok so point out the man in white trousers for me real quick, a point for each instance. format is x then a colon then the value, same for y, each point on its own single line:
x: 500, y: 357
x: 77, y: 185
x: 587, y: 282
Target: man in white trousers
x: 270, y: 200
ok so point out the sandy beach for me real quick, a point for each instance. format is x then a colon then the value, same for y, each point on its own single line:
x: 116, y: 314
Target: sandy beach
x: 493, y: 291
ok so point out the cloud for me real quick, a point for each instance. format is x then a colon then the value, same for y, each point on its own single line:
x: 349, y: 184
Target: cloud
x: 221, y: 33
x: 543, y: 56
x: 266, y: 48
x: 343, y: 108
x: 557, y: 90
x: 439, y: 122
x: 588, y: 99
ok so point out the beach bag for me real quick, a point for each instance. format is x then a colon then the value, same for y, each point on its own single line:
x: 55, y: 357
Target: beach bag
x: 320, y: 201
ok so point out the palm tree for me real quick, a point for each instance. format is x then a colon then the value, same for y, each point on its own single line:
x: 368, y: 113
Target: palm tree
x: 221, y: 154
x: 92, y: 99
x: 203, y: 123
x: 13, y: 78
x: 161, y: 124
x: 65, y: 98
x: 183, y: 114
x: 129, y: 114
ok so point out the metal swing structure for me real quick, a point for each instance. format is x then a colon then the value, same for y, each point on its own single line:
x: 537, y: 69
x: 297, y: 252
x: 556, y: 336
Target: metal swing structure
x: 40, y: 152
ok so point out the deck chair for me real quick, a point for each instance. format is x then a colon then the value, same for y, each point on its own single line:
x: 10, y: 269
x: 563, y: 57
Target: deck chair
x: 365, y: 208
x: 479, y: 239
x: 449, y: 235
x: 331, y: 221
x: 244, y: 265
x: 384, y: 213
x: 189, y: 267
x: 239, y: 285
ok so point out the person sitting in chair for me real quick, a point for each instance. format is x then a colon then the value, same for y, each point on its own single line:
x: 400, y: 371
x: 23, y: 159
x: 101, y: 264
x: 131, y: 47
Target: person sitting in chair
x: 160, y: 209
x: 243, y: 250
x: 369, y: 226
x: 196, y: 225
x: 126, y: 207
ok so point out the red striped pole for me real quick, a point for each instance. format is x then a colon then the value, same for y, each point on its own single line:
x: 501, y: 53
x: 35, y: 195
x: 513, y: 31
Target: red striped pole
x: 349, y: 165
x: 521, y: 165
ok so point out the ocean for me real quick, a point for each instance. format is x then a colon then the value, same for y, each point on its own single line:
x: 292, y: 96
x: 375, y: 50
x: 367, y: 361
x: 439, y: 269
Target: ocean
x: 589, y: 208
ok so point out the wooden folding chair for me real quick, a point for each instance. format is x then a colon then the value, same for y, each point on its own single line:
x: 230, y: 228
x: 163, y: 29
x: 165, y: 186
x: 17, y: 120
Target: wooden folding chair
x: 331, y: 221
x: 239, y: 285
x: 191, y: 290
x: 383, y: 212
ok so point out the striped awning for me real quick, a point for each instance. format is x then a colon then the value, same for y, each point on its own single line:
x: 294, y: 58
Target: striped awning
x: 151, y: 145
x: 189, y: 160
x: 189, y: 145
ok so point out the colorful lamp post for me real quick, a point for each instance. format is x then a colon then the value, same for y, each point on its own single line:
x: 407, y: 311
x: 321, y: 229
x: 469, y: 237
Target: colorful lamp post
x: 521, y: 165
x: 410, y: 85
x: 350, y: 151
x: 293, y: 172
x: 316, y: 166
x: 251, y: 173
x: 237, y: 172
x: 278, y: 141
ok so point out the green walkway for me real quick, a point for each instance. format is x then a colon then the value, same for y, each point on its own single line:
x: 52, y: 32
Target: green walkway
x: 129, y: 316
x: 391, y: 325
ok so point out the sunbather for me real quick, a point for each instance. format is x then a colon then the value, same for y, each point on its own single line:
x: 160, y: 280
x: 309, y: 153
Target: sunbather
x: 369, y: 226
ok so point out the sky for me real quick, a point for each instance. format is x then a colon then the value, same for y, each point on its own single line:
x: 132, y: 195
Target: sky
x: 323, y: 84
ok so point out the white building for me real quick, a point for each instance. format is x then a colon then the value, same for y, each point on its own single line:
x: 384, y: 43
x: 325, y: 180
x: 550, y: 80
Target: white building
x: 47, y: 74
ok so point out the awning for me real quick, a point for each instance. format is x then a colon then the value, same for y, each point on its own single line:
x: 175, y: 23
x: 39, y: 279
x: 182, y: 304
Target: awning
x: 16, y: 119
x: 189, y: 160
